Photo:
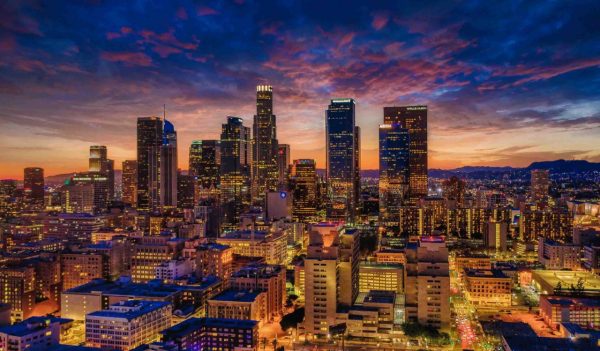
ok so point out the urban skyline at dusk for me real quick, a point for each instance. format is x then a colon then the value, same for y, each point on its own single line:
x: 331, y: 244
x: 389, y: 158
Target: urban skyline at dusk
x: 495, y: 97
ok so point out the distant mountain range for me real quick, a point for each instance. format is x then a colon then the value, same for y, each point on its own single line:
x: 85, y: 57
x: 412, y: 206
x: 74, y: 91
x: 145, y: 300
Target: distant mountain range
x: 558, y: 166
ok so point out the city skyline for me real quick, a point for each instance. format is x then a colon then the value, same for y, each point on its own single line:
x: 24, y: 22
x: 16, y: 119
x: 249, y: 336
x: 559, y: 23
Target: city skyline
x: 494, y: 97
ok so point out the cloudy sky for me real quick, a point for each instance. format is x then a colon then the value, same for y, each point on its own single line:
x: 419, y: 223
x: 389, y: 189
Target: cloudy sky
x: 506, y: 82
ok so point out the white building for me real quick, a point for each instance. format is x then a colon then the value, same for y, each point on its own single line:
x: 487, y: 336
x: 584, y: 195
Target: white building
x: 555, y: 255
x: 32, y: 334
x: 174, y: 269
x: 127, y: 324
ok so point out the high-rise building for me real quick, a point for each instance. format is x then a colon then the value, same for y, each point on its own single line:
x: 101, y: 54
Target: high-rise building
x: 540, y: 184
x: 33, y: 185
x: 393, y: 171
x: 413, y: 118
x: 495, y: 237
x: 77, y: 198
x: 283, y: 165
x: 342, y: 159
x: 265, y: 175
x: 205, y: 162
x: 168, y: 166
x: 100, y: 163
x: 303, y: 184
x: 149, y: 142
x: 129, y: 182
x: 186, y: 185
x: 268, y: 278
x: 101, y: 185
x: 235, y: 170
x: 348, y: 266
x: 428, y: 282
x: 454, y: 191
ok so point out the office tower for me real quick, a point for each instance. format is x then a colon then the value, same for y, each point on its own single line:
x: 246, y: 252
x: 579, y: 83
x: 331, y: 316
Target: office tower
x: 540, y: 184
x: 214, y: 259
x: 321, y: 276
x: 129, y: 182
x: 148, y: 253
x: 149, y: 142
x: 235, y: 170
x: 265, y: 174
x: 239, y: 304
x: 342, y: 154
x: 77, y: 198
x: 348, y: 268
x: 135, y: 322
x: 393, y: 172
x: 303, y: 184
x: 100, y: 163
x: 17, y: 288
x: 454, y: 192
x: 205, y: 162
x: 283, y: 165
x: 428, y: 282
x: 553, y: 223
x: 33, y: 185
x: 168, y: 166
x: 100, y: 183
x: 186, y: 187
x: 413, y: 118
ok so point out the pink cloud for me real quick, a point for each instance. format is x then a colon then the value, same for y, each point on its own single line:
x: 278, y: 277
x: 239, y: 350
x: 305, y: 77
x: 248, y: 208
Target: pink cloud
x: 128, y: 58
x: 181, y: 13
x: 164, y: 50
x: 380, y: 20
x: 206, y: 11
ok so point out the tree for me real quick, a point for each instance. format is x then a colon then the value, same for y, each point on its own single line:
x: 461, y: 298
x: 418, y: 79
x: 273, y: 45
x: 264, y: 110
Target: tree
x: 558, y: 288
x: 291, y: 320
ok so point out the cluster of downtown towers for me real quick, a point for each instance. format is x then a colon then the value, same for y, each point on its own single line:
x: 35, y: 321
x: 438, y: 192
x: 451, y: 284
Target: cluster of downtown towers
x: 246, y: 164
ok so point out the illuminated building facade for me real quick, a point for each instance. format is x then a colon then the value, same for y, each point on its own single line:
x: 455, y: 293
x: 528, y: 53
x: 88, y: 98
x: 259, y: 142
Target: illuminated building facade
x: 168, y: 166
x: 127, y: 324
x: 81, y: 268
x: 495, y: 237
x: 342, y: 143
x: 540, y: 184
x: 413, y: 118
x: 214, y: 259
x: 129, y: 182
x: 100, y: 163
x: 454, y: 191
x: 381, y: 277
x: 186, y: 191
x: 393, y: 172
x: 17, y: 288
x: 427, y: 282
x: 268, y: 278
x: 205, y: 162
x: 77, y: 198
x: 554, y: 223
x: 35, y: 333
x: 557, y: 255
x: 239, y: 304
x: 265, y: 172
x: 582, y: 311
x: 283, y: 164
x: 271, y: 245
x: 213, y: 334
x: 303, y: 184
x: 33, y: 186
x: 101, y: 184
x: 149, y: 142
x: 235, y: 170
x: 488, y: 288
x: 149, y: 252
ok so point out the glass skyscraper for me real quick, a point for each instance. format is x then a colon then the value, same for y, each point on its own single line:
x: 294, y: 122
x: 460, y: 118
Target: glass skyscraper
x: 205, y: 162
x: 413, y: 118
x: 343, y: 143
x: 265, y: 173
x: 149, y: 142
x: 168, y: 166
x: 393, y: 171
x: 235, y: 170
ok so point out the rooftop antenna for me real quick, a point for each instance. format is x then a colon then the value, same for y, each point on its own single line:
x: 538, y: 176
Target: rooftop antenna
x: 164, y: 112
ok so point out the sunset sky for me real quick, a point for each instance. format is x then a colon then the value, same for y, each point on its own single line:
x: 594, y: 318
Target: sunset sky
x: 506, y: 82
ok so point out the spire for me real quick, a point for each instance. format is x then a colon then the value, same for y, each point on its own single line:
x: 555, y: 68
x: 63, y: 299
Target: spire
x: 164, y: 112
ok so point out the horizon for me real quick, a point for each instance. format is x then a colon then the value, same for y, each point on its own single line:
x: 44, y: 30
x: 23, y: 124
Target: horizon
x: 495, y: 97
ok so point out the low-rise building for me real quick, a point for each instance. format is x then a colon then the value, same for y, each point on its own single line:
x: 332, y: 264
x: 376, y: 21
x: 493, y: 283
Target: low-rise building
x: 239, y: 304
x: 488, y: 288
x: 272, y: 245
x: 213, y: 334
x: 127, y: 324
x: 563, y: 309
x: 268, y: 278
x: 556, y: 255
x: 32, y: 334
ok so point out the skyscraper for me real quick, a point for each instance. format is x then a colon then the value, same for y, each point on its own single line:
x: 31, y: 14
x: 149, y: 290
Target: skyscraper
x: 149, y: 142
x: 283, y: 164
x: 33, y: 185
x: 205, y: 162
x: 303, y: 184
x: 129, y: 182
x: 168, y: 166
x: 342, y: 143
x: 100, y: 163
x: 393, y: 172
x: 265, y: 174
x: 235, y: 170
x: 540, y: 184
x: 413, y: 118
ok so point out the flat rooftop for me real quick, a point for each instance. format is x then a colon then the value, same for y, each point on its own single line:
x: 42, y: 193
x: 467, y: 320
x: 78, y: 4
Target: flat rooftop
x: 237, y: 296
x: 136, y: 309
x: 575, y: 301
x: 190, y: 325
x: 552, y: 277
x: 484, y: 273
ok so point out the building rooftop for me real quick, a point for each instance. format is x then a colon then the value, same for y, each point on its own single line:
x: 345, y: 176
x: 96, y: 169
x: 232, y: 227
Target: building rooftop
x: 260, y: 270
x: 237, y: 295
x: 32, y: 324
x: 213, y: 246
x: 129, y: 309
x: 189, y: 325
x: 568, y: 301
x: 481, y: 273
x: 154, y: 288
